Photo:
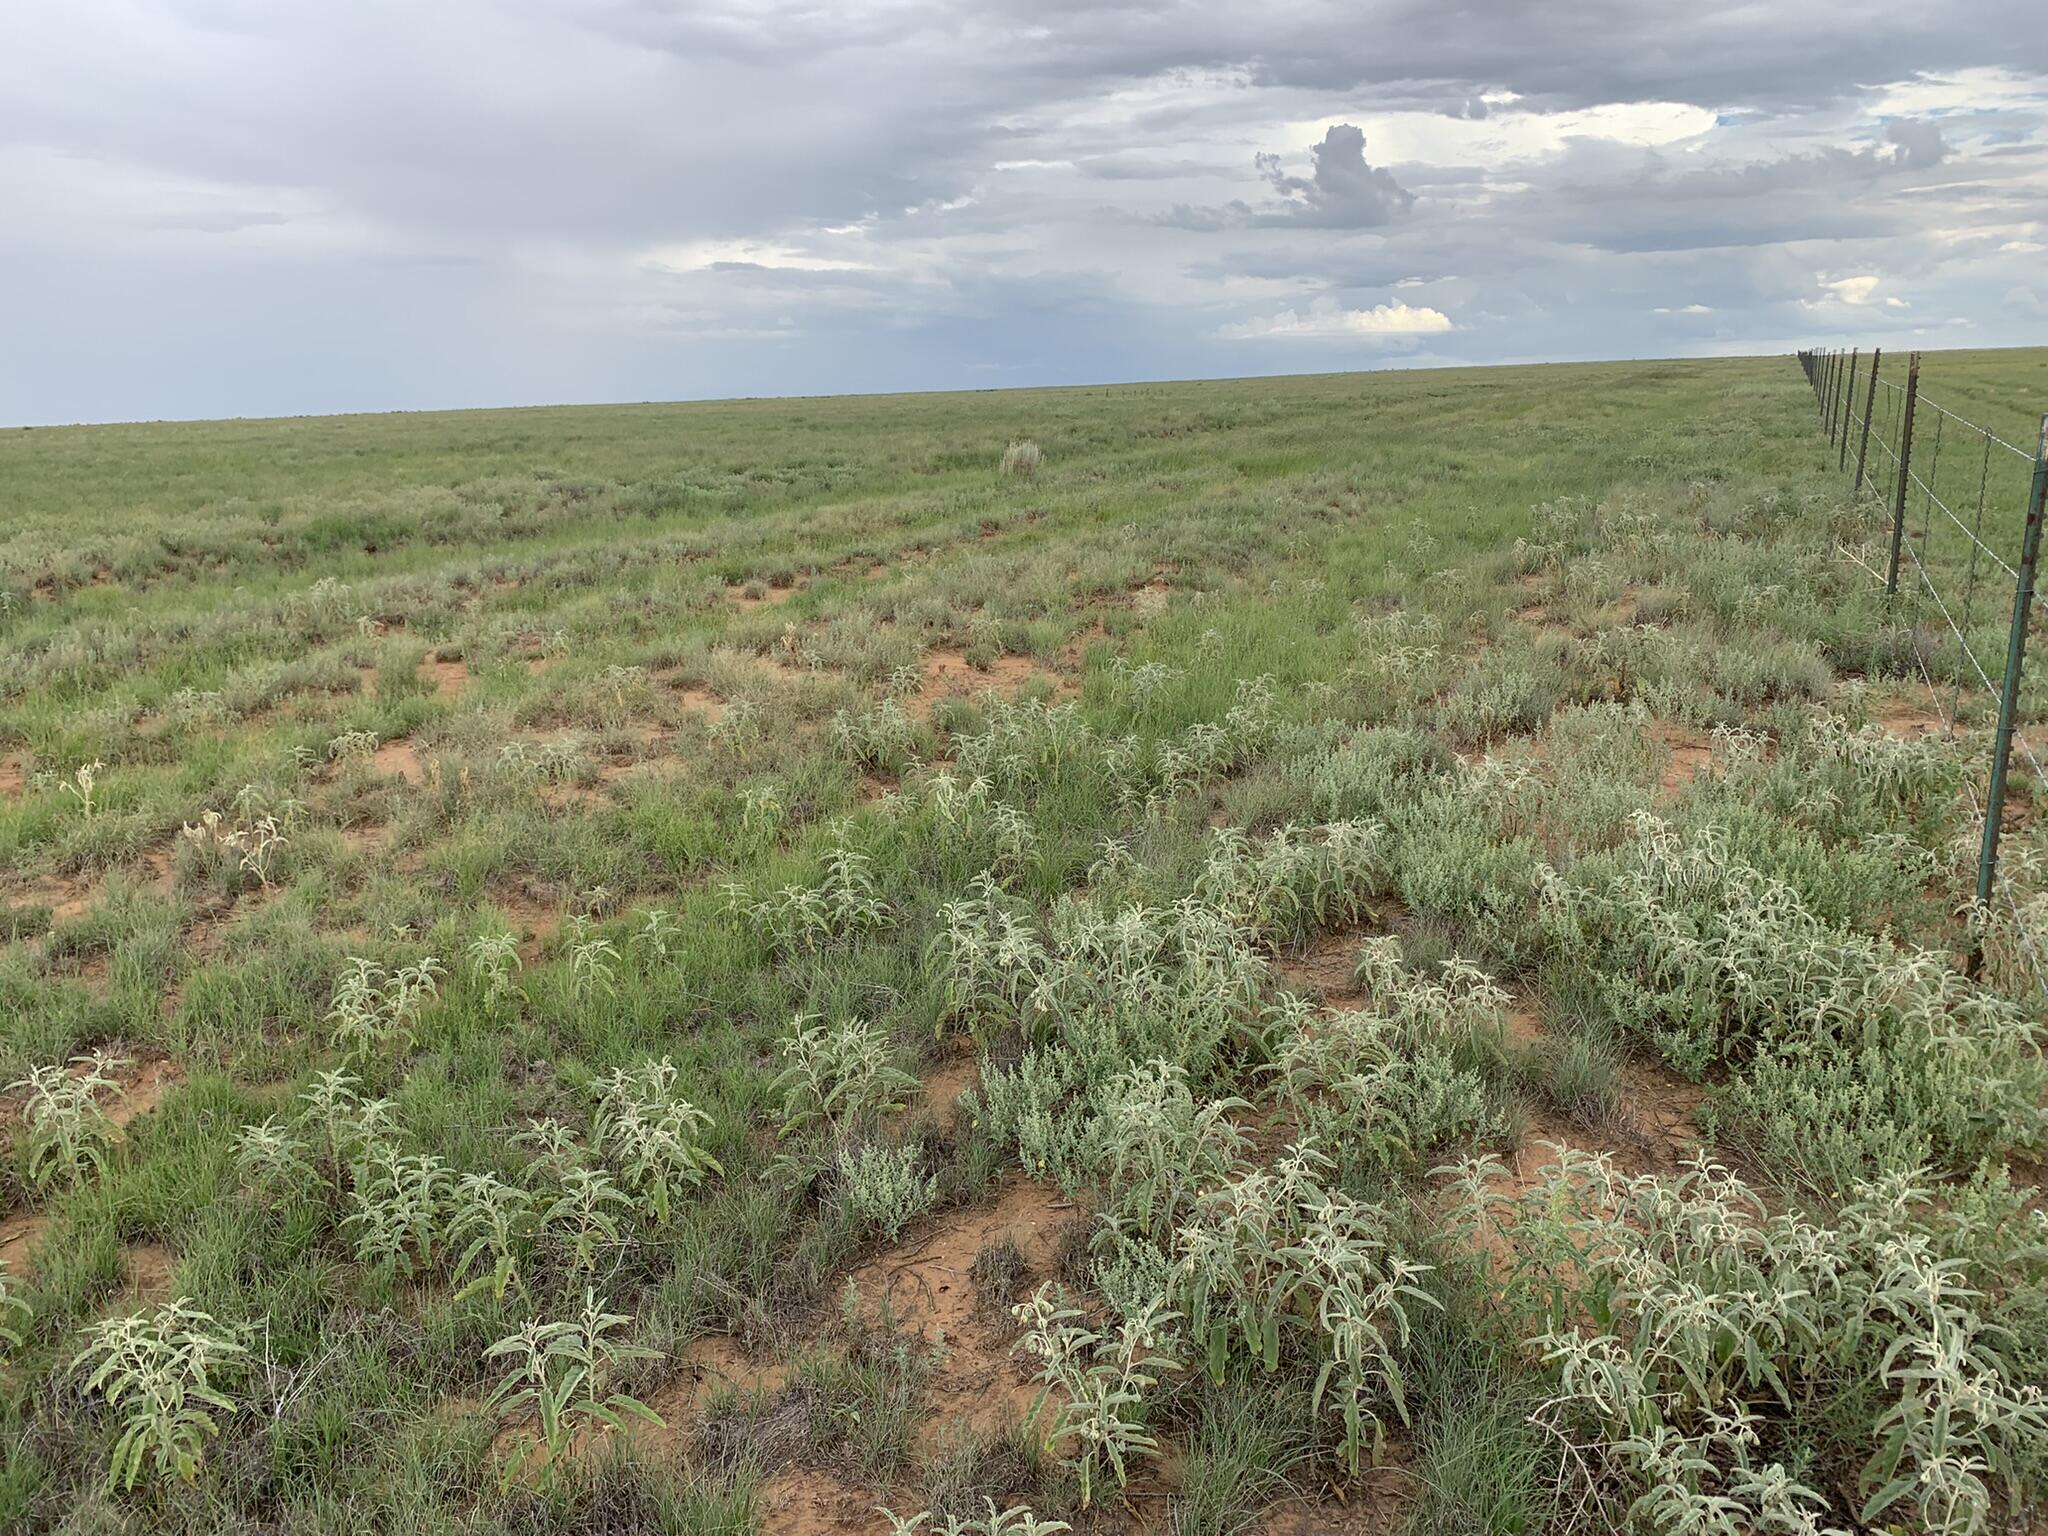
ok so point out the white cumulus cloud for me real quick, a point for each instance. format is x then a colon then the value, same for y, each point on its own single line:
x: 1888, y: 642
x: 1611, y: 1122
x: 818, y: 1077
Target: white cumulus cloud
x: 1325, y: 319
x: 1852, y: 290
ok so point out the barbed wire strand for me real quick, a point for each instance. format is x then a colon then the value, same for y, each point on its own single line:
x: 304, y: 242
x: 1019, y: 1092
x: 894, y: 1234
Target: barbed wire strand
x: 1950, y: 714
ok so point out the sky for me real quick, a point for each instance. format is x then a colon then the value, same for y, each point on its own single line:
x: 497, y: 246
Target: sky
x: 252, y: 207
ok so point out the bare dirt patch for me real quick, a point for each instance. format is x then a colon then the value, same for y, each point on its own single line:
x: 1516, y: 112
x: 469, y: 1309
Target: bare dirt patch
x: 365, y: 836
x: 1523, y: 1028
x: 19, y: 1236
x: 927, y: 1288
x: 1654, y: 1129
x: 1377, y: 1504
x: 1075, y: 651
x: 1909, y: 718
x: 1688, y: 751
x: 66, y: 898
x: 535, y: 919
x: 1660, y: 1113
x: 803, y: 1501
x: 1325, y: 971
x: 559, y: 797
x: 769, y: 597
x: 446, y: 679
x: 703, y: 701
x: 943, y: 1087
x: 399, y: 760
x: 947, y: 674
x: 143, y: 1086
x: 147, y: 1273
x: 13, y: 782
x: 717, y: 1361
x: 705, y: 1367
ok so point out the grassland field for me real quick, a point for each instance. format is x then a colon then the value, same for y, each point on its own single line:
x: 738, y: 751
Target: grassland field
x: 1361, y: 953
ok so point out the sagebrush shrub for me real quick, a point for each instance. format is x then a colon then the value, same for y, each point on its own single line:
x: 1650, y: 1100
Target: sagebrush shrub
x: 886, y: 1187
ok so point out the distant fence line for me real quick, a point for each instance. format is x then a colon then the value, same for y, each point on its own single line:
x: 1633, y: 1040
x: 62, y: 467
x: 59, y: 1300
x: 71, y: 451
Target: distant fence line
x: 1914, y: 455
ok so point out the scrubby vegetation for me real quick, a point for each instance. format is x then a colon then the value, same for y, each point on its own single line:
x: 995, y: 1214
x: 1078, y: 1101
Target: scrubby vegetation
x: 1379, y: 953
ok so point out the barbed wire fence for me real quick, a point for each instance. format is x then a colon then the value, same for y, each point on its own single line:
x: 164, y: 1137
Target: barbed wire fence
x: 1968, y: 567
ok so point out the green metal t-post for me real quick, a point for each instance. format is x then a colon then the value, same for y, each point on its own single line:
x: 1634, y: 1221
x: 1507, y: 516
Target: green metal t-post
x: 1869, y: 401
x: 1891, y: 577
x: 2015, y: 657
x: 1848, y: 403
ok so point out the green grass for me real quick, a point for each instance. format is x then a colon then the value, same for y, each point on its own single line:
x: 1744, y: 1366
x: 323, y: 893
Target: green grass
x: 1091, y: 789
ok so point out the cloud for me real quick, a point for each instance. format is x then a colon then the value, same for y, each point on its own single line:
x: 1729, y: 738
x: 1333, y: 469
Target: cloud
x: 236, y: 208
x: 1852, y: 290
x: 726, y: 255
x: 1324, y: 320
x: 1683, y: 309
x: 1342, y: 191
x: 220, y: 221
x: 1917, y: 143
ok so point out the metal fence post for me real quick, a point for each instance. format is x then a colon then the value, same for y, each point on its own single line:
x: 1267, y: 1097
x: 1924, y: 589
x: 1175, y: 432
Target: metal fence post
x: 2015, y: 656
x: 1848, y: 401
x: 1869, y: 400
x: 1891, y: 578
x: 1827, y: 385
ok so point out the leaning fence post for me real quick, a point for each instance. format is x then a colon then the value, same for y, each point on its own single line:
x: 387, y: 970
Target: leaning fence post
x: 2015, y: 656
x: 1848, y: 403
x: 1891, y: 579
x: 1869, y: 400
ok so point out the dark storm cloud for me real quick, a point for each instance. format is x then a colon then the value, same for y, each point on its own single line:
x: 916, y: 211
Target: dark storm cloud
x: 1342, y: 191
x: 229, y: 205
